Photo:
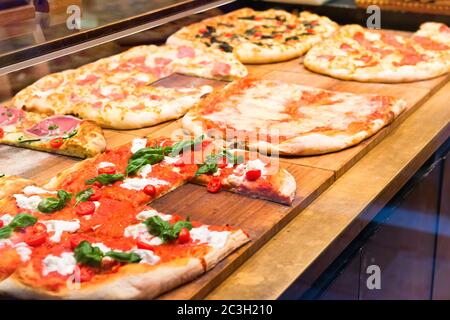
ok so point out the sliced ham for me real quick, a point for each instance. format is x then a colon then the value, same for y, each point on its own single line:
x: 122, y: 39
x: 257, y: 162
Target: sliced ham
x: 221, y: 69
x: 185, y: 52
x: 9, y: 116
x: 429, y: 44
x: 61, y: 125
x: 161, y: 62
x: 89, y: 79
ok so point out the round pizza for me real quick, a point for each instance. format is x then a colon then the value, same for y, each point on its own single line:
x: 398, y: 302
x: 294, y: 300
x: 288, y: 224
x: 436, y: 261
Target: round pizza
x: 290, y: 119
x: 56, y: 134
x: 117, y: 91
x: 355, y: 53
x: 258, y: 36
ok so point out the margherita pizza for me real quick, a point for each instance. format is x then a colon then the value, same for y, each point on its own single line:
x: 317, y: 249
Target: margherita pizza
x: 258, y: 36
x: 116, y: 92
x: 285, y: 118
x: 57, y: 134
x: 355, y: 53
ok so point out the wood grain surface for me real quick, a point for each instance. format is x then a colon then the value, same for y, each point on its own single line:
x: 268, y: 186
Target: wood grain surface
x: 262, y: 219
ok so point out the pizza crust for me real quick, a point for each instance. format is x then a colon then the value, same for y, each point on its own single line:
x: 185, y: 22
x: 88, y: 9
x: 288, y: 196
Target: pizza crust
x: 134, y: 281
x: 10, y: 185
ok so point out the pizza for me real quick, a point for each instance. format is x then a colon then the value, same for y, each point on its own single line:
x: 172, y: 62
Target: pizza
x: 355, y: 53
x: 11, y: 184
x: 56, y: 134
x: 258, y: 36
x: 90, y: 232
x: 289, y: 119
x: 117, y: 92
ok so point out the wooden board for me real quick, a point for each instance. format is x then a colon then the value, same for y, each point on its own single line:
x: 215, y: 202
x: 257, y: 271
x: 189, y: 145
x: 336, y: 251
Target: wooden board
x: 262, y: 219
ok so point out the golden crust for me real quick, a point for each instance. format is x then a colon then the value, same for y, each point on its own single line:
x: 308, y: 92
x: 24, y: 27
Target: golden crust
x: 12, y: 184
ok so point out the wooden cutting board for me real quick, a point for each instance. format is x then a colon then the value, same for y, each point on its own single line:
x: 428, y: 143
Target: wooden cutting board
x: 262, y: 219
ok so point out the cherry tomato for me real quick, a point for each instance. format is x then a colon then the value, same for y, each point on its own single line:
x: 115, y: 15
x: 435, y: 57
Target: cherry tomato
x: 144, y: 245
x: 86, y: 273
x: 97, y: 184
x: 1, y: 223
x: 228, y: 35
x: 85, y: 208
x: 253, y: 175
x: 56, y: 143
x: 95, y: 196
x: 107, y: 170
x: 75, y: 241
x: 2, y: 133
x: 35, y: 235
x: 150, y: 190
x: 214, y: 185
x: 184, y: 236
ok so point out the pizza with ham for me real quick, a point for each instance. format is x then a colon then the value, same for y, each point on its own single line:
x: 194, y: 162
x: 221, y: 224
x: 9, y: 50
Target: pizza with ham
x: 90, y: 232
x: 56, y: 134
x: 258, y: 36
x: 285, y: 118
x: 355, y: 53
x: 117, y: 92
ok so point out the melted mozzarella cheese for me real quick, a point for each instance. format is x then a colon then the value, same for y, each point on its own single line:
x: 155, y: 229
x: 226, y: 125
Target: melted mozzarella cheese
x: 257, y: 165
x: 6, y: 219
x: 144, y: 215
x: 103, y: 248
x: 139, y: 184
x: 105, y: 164
x: 29, y: 203
x: 145, y: 170
x: 147, y: 256
x: 216, y: 239
x: 29, y: 190
x: 137, y: 231
x: 60, y: 226
x: 137, y: 144
x: 63, y: 264
x: 23, y: 251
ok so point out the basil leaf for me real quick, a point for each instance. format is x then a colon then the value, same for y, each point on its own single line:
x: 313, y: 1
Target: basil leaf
x: 126, y: 257
x: 206, y: 168
x: 88, y: 255
x: 23, y: 220
x: 71, y: 134
x: 162, y: 229
x: 185, y: 145
x: 50, y: 205
x: 106, y: 179
x: 83, y: 196
x: 135, y: 164
x: 5, y: 232
x: 145, y: 152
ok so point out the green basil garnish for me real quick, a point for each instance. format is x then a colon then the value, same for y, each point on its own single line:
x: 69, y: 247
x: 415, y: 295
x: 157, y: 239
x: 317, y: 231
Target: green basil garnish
x: 22, y: 220
x: 50, y: 205
x: 83, y: 195
x: 210, y: 164
x: 125, y: 257
x: 87, y: 254
x: 106, y: 179
x: 135, y: 164
x: 164, y: 230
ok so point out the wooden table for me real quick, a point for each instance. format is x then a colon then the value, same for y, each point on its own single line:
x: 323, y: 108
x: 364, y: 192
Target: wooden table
x: 333, y: 190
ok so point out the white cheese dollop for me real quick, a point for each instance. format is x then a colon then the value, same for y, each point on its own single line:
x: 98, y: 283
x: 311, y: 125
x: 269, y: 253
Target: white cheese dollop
x: 137, y: 144
x: 147, y: 256
x: 29, y: 203
x: 6, y: 219
x: 137, y: 231
x: 105, y: 164
x: 64, y: 264
x: 144, y: 215
x: 23, y: 251
x: 139, y: 184
x: 60, y: 226
x: 145, y: 170
x: 29, y: 190
x: 103, y: 248
x: 215, y: 239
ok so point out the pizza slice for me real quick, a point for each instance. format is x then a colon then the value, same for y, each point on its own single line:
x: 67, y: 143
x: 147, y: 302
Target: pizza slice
x: 56, y: 134
x: 258, y: 36
x: 147, y: 168
x: 116, y: 92
x: 51, y: 246
x: 276, y: 117
x: 356, y: 53
x: 12, y: 184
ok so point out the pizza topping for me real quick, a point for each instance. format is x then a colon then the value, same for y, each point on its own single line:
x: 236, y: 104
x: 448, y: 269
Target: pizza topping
x: 64, y: 264
x: 184, y: 236
x: 105, y: 164
x: 144, y: 215
x: 2, y: 133
x: 214, y: 185
x: 107, y: 170
x: 429, y: 44
x: 50, y: 205
x: 5, y: 219
x: 221, y: 69
x: 144, y: 245
x: 88, y: 79
x: 85, y: 208
x: 56, y: 143
x: 60, y: 226
x: 185, y: 51
x: 211, y: 162
x: 23, y: 251
x: 138, y: 144
x: 444, y: 29
x: 84, y: 195
x: 10, y: 116
x: 141, y: 183
x: 253, y: 175
x: 150, y: 190
x: 105, y: 179
x: 164, y: 230
x: 146, y: 256
x: 29, y: 190
x: 215, y: 239
x: 55, y: 124
x: 29, y: 203
x: 22, y: 220
x: 409, y: 59
x: 35, y: 235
